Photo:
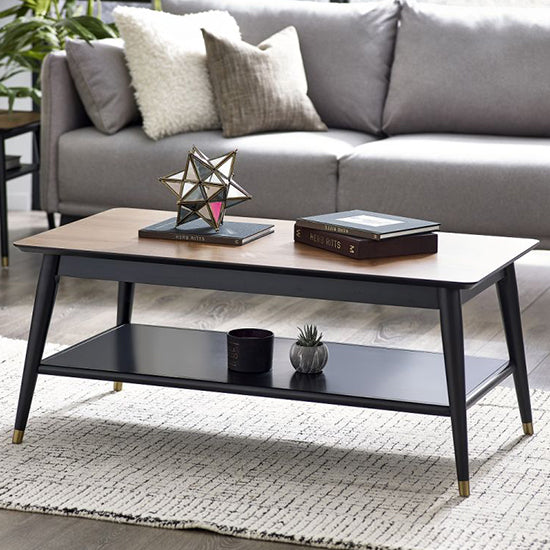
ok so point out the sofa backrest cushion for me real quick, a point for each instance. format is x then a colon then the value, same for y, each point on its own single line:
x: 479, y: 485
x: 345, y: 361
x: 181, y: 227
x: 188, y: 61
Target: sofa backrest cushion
x: 470, y: 70
x: 346, y: 48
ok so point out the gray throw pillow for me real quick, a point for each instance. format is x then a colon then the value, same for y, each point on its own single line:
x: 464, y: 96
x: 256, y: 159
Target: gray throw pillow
x: 483, y: 70
x: 260, y: 88
x: 103, y: 82
x: 347, y: 50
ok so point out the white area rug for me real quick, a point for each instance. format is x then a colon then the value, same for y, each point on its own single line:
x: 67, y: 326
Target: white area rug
x: 321, y: 475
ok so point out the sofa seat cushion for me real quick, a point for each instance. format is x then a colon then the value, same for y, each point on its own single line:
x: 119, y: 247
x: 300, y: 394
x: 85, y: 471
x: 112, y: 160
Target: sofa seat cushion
x: 347, y: 50
x: 289, y: 174
x: 469, y: 183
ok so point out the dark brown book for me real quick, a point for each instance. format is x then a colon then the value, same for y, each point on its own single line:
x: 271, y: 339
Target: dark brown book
x: 363, y: 249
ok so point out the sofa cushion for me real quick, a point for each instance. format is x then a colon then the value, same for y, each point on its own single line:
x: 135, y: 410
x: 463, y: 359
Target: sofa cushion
x: 103, y: 82
x: 167, y: 61
x: 469, y: 183
x: 471, y: 70
x: 289, y: 174
x: 260, y: 88
x: 347, y: 50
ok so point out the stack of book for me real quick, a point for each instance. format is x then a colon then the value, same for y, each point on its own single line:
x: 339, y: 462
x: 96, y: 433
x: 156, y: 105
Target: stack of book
x: 365, y: 235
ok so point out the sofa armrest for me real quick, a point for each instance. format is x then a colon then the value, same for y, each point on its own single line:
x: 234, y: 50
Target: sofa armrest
x: 61, y: 112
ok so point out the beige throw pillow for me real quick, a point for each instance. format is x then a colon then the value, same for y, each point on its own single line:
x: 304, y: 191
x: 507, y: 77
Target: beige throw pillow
x: 260, y: 88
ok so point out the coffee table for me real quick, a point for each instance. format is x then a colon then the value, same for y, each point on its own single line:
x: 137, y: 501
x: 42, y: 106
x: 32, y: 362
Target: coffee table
x: 106, y: 246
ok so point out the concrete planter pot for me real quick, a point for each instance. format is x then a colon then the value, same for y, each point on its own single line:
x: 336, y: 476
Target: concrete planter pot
x: 308, y: 360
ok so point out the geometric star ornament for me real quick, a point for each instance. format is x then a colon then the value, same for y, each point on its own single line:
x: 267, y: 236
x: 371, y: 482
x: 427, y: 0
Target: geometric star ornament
x: 205, y: 188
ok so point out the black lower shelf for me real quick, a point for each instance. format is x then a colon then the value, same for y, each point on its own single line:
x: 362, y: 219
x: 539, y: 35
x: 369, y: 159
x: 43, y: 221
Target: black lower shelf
x: 372, y: 377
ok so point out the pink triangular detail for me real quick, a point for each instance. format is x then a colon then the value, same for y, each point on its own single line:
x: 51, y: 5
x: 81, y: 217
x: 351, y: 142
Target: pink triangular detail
x: 216, y: 208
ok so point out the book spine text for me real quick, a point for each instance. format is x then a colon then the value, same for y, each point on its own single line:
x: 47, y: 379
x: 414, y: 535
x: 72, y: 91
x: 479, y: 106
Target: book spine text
x: 211, y: 239
x: 335, y: 243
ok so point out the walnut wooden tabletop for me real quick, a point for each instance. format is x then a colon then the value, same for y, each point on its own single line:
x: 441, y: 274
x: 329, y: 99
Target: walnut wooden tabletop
x: 462, y: 259
x: 16, y: 119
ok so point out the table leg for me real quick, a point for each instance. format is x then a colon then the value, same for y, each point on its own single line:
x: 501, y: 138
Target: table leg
x: 36, y: 173
x: 3, y: 207
x: 51, y: 220
x: 450, y: 311
x: 41, y: 316
x: 507, y: 290
x: 124, y: 311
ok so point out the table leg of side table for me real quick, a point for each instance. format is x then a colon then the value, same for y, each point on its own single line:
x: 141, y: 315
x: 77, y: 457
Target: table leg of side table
x: 51, y: 220
x: 41, y: 316
x: 450, y: 311
x: 3, y: 207
x: 124, y: 311
x: 35, y: 202
x: 511, y: 317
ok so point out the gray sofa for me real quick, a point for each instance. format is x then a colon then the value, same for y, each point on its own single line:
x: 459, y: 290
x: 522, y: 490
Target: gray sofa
x: 434, y: 112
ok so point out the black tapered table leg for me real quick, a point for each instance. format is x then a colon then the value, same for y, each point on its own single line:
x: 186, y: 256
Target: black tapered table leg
x: 41, y: 316
x: 51, y: 220
x: 124, y: 311
x: 125, y: 303
x: 35, y: 204
x: 507, y: 290
x: 450, y: 311
x: 3, y: 207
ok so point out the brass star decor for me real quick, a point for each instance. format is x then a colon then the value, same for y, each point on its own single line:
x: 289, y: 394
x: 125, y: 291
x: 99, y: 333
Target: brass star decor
x: 205, y: 188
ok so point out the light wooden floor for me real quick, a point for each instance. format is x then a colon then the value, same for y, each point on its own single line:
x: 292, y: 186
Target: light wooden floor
x: 86, y: 307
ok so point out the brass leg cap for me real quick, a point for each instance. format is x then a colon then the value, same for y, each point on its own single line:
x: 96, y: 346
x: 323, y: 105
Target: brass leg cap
x: 528, y: 428
x: 117, y: 386
x: 17, y: 436
x: 5, y: 261
x: 464, y: 488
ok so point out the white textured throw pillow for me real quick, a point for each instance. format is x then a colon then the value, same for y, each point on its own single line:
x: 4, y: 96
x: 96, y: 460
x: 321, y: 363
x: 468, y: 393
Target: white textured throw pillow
x: 167, y: 61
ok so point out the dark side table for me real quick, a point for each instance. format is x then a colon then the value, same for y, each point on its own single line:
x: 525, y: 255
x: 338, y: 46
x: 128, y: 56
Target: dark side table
x: 11, y: 125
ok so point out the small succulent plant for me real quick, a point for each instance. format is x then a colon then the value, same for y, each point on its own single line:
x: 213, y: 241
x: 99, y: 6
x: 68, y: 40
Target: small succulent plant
x: 308, y: 354
x: 309, y: 337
